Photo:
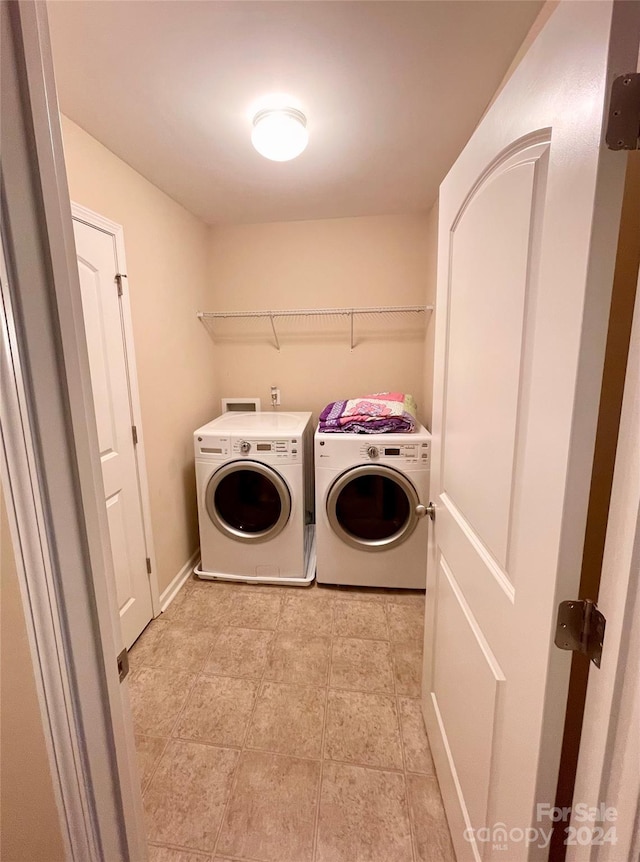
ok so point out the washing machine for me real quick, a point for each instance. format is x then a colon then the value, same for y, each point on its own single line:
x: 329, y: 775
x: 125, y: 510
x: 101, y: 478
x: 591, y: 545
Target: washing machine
x: 254, y: 476
x: 372, y: 497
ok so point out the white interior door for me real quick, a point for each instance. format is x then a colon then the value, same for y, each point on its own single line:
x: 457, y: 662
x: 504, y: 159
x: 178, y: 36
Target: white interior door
x: 529, y: 217
x: 101, y: 305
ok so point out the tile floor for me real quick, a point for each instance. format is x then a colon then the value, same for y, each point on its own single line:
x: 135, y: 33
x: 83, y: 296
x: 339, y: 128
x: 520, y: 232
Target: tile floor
x: 283, y: 725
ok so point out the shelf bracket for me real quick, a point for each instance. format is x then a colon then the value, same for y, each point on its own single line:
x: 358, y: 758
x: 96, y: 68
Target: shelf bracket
x: 351, y: 316
x: 275, y: 334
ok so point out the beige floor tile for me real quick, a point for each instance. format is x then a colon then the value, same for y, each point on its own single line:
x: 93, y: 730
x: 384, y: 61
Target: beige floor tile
x: 406, y: 597
x: 157, y: 696
x: 407, y: 667
x: 298, y: 658
x: 167, y: 854
x: 406, y: 623
x: 417, y: 754
x: 271, y: 813
x: 147, y: 642
x: 218, y: 710
x: 361, y: 594
x: 180, y: 644
x: 288, y: 719
x: 363, y: 728
x: 185, y: 800
x: 363, y: 816
x: 202, y: 605
x: 252, y: 610
x: 148, y: 752
x: 430, y: 829
x: 305, y: 614
x: 356, y: 619
x: 239, y: 652
x: 176, y: 601
x: 363, y: 665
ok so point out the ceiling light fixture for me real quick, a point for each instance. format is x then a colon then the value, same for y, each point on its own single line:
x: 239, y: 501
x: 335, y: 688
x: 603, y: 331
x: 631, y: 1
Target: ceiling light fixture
x: 280, y: 134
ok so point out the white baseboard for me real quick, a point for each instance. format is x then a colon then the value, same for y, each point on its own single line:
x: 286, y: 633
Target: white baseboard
x: 169, y: 594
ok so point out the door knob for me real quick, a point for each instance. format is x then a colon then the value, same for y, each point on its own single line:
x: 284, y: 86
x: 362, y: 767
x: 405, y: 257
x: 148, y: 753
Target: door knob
x: 429, y: 510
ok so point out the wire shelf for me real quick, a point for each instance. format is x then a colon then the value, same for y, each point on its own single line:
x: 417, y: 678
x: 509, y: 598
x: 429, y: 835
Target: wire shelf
x: 208, y: 317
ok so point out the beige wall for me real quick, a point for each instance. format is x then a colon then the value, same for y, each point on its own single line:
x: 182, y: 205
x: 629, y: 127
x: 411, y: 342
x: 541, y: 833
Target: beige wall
x: 372, y: 261
x: 29, y: 826
x: 430, y: 299
x: 167, y: 250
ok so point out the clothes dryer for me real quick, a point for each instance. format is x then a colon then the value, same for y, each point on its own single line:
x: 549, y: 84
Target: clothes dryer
x: 372, y: 497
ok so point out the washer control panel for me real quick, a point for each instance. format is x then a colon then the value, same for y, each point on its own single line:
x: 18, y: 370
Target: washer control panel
x: 260, y: 449
x: 263, y: 449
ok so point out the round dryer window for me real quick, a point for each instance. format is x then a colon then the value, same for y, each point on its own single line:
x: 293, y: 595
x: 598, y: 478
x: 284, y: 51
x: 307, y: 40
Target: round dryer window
x: 248, y: 501
x: 372, y: 507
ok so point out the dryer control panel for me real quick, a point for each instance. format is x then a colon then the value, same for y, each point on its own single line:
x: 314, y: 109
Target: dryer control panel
x: 402, y: 452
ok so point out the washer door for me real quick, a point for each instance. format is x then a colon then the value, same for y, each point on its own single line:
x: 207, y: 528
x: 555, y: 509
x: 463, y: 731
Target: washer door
x: 373, y: 507
x: 248, y: 501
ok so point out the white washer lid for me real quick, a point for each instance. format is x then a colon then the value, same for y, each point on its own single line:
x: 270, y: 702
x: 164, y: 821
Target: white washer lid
x: 258, y: 423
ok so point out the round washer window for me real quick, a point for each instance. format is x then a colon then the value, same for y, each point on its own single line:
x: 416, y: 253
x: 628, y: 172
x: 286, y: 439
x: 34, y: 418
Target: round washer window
x: 372, y: 507
x: 248, y: 501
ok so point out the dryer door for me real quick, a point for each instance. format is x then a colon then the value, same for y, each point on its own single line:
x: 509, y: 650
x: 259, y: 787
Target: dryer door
x: 373, y: 507
x: 248, y: 501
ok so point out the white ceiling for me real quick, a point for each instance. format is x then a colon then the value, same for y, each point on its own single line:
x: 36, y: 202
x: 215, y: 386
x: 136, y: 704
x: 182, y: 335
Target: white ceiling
x: 392, y: 91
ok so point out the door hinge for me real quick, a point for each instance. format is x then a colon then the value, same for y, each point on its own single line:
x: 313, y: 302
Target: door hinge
x: 148, y: 566
x: 119, y: 277
x: 134, y: 434
x: 623, y: 123
x: 123, y: 664
x: 580, y: 627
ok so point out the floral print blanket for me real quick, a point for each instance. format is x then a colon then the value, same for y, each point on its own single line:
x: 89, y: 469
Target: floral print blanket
x: 381, y: 413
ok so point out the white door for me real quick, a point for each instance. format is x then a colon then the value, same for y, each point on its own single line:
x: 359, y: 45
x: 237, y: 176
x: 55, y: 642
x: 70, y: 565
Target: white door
x: 528, y: 227
x: 101, y: 305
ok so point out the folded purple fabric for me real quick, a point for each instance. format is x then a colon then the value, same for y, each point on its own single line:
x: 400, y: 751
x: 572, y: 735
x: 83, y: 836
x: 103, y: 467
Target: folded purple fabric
x: 332, y: 419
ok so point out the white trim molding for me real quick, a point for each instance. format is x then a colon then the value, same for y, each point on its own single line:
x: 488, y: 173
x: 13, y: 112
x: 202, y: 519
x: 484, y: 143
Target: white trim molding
x: 51, y: 469
x: 172, y: 590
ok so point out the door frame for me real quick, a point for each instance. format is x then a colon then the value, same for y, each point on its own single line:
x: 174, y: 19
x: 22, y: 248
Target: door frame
x: 51, y: 471
x: 607, y: 762
x: 116, y: 231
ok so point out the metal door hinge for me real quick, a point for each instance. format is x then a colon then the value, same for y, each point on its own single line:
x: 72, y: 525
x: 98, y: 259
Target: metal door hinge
x: 123, y: 664
x: 148, y: 566
x: 134, y: 434
x: 119, y: 277
x: 623, y: 124
x: 580, y: 627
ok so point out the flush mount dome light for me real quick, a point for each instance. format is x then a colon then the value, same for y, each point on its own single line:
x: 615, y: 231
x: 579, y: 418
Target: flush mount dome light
x: 280, y: 134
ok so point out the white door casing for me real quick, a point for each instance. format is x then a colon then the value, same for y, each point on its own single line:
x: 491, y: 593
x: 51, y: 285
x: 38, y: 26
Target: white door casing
x: 528, y: 228
x: 609, y: 760
x: 51, y: 471
x: 100, y: 254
